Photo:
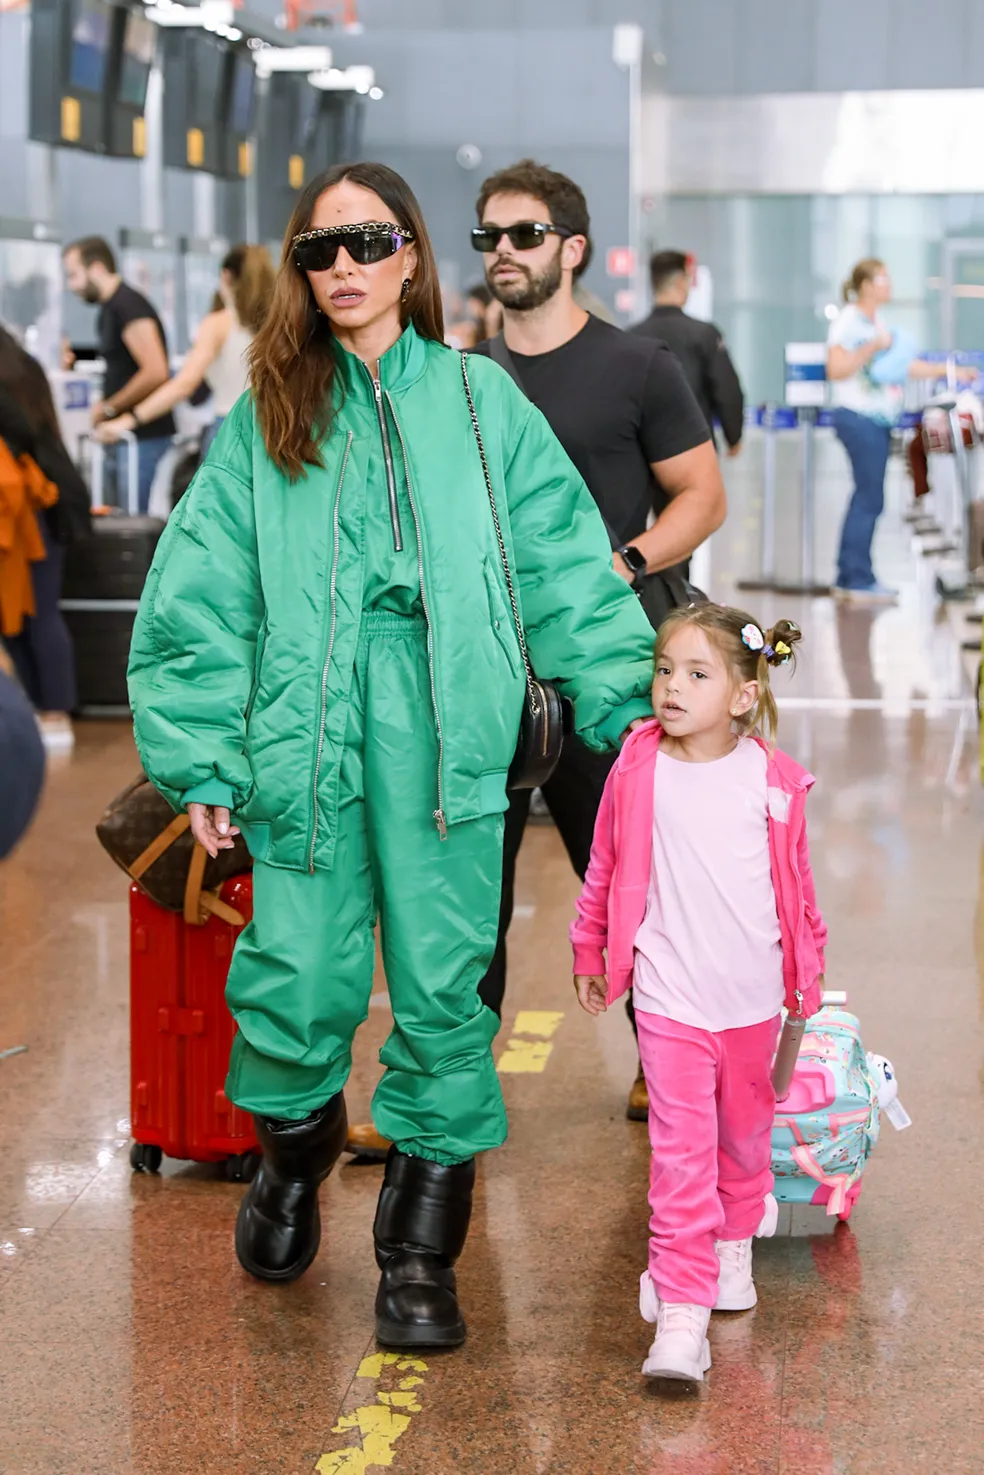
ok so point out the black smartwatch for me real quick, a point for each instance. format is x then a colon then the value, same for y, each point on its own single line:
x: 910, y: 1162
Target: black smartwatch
x: 635, y: 562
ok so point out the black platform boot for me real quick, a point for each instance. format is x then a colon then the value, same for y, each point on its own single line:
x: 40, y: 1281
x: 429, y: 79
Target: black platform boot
x: 421, y: 1224
x: 279, y: 1225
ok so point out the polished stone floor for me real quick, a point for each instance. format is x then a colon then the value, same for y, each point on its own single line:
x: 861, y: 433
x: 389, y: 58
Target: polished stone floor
x: 131, y: 1342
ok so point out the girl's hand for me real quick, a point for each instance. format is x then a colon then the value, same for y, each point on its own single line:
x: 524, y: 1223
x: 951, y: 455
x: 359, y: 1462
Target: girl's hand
x: 592, y: 992
x: 636, y: 722
x: 211, y: 828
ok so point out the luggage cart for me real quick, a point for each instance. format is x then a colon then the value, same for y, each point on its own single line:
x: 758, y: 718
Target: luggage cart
x: 953, y: 442
x: 104, y: 579
x: 773, y: 419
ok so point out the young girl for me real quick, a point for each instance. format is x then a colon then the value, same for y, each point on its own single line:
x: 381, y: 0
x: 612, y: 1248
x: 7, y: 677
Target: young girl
x: 700, y: 891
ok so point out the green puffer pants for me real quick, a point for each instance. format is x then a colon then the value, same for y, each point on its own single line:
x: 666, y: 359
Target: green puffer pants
x: 302, y: 972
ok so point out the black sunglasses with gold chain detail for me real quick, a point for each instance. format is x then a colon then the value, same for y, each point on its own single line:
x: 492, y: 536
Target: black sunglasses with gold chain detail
x: 372, y: 241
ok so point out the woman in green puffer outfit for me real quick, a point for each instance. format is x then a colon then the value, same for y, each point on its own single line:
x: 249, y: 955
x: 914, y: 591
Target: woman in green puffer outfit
x: 325, y: 657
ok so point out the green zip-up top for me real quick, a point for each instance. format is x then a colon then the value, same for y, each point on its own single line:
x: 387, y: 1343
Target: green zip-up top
x: 244, y: 644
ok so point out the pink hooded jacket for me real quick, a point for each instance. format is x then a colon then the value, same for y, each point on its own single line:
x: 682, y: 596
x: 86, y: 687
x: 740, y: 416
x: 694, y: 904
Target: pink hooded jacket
x: 612, y: 906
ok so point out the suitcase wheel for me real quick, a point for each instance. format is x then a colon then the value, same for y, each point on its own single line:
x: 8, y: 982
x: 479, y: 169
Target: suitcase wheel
x: 145, y: 1157
x: 242, y: 1167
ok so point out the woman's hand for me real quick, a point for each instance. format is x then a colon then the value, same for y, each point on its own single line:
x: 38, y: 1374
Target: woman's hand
x: 592, y: 992
x: 211, y: 828
x: 108, y: 432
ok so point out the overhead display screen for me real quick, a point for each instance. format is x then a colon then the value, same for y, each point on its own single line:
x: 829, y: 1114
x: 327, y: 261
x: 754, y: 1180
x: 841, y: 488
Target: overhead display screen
x: 90, y: 46
x: 209, y: 60
x: 308, y: 107
x: 243, y: 92
x: 139, y: 41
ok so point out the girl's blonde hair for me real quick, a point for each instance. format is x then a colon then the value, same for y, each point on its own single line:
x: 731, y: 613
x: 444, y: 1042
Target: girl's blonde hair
x: 865, y: 271
x: 748, y: 649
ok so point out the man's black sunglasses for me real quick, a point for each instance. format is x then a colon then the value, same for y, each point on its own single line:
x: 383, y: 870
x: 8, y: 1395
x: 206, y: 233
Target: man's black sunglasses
x: 525, y: 235
x: 317, y: 250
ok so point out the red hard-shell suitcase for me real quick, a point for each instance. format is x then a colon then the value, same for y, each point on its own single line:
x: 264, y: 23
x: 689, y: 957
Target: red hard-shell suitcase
x: 180, y: 1036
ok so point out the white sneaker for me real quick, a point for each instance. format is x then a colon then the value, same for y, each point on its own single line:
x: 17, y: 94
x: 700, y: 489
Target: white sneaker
x: 57, y: 732
x: 874, y: 594
x: 736, y: 1288
x: 681, y: 1349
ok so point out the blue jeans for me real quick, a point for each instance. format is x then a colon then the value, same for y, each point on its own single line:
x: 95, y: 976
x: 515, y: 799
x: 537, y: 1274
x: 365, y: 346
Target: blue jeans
x: 149, y: 455
x: 867, y: 444
x: 42, y: 653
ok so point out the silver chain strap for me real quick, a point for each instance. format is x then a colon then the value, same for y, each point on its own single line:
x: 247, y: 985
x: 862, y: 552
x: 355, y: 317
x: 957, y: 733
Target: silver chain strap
x: 531, y: 683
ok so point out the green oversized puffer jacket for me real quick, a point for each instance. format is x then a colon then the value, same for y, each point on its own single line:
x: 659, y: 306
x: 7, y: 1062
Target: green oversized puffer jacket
x: 245, y: 641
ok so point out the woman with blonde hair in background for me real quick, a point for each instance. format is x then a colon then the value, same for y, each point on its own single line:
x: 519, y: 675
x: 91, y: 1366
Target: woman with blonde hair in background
x: 868, y: 365
x: 218, y: 353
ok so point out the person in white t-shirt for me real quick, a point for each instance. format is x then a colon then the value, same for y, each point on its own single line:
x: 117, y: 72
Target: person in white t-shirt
x: 699, y: 896
x: 867, y: 366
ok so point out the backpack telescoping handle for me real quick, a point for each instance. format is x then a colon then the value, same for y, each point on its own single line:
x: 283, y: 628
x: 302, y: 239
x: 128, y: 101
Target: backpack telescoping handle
x: 787, y: 1055
x: 790, y: 1042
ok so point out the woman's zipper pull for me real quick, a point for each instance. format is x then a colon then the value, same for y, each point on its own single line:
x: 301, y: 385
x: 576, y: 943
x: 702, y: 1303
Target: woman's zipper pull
x: 442, y: 824
x: 377, y: 390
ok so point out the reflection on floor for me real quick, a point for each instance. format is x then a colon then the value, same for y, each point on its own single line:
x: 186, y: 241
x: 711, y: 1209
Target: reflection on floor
x: 131, y: 1342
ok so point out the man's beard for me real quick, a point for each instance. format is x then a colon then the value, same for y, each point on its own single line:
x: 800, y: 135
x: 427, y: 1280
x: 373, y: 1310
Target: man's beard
x: 523, y: 296
x: 90, y: 293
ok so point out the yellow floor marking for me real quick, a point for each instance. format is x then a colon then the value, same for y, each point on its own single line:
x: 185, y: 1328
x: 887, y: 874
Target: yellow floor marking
x: 540, y: 1022
x: 379, y: 1424
x: 530, y: 1055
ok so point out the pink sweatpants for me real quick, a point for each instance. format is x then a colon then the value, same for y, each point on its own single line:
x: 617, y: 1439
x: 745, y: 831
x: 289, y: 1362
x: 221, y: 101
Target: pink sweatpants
x: 711, y: 1105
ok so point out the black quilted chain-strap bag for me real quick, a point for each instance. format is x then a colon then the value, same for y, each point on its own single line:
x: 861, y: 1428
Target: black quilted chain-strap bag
x: 543, y: 724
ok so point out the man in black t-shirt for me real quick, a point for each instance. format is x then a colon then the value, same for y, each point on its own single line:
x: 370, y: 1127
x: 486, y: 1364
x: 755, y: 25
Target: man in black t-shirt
x: 700, y: 347
x: 624, y: 413
x: 132, y: 341
x: 622, y: 410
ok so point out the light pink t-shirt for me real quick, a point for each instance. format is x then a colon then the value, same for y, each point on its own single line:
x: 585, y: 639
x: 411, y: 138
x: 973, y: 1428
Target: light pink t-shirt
x: 708, y: 952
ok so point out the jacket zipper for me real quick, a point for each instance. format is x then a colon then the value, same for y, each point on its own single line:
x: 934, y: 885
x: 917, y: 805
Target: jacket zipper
x: 394, y: 505
x: 440, y: 818
x: 327, y: 665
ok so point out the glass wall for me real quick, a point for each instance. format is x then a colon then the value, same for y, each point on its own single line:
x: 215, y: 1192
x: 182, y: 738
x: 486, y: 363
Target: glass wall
x: 778, y: 262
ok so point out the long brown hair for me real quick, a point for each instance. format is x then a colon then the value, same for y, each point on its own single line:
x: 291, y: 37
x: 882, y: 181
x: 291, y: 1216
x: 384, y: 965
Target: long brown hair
x: 291, y: 359
x: 724, y: 627
x: 253, y: 278
x: 26, y: 382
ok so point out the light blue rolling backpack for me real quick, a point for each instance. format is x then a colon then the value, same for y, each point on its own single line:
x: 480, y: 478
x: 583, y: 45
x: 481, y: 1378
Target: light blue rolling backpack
x: 827, y: 1125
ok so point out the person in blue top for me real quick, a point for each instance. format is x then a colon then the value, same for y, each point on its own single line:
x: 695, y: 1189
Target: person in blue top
x: 867, y: 366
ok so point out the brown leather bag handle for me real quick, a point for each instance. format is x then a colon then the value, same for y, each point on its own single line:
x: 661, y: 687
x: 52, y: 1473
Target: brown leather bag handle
x: 157, y: 847
x: 212, y: 902
x: 198, y: 904
x: 193, y: 886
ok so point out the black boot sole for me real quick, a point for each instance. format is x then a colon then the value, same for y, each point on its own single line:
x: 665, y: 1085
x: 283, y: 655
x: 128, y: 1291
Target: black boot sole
x: 395, y: 1334
x: 277, y: 1277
